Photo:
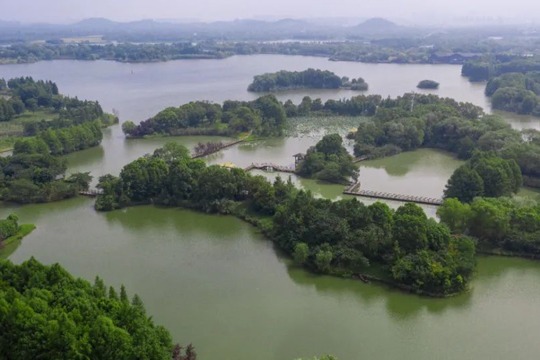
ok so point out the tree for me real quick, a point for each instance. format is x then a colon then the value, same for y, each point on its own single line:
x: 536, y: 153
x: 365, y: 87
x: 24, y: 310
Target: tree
x: 410, y: 232
x: 499, y: 176
x: 128, y: 127
x: 47, y: 313
x: 455, y: 215
x: 80, y: 180
x: 323, y: 258
x: 8, y: 227
x: 328, y: 160
x: 488, y: 220
x: 301, y: 253
x: 331, y: 144
x: 465, y: 184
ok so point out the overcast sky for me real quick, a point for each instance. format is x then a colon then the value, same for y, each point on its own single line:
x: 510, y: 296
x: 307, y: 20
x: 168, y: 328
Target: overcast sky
x: 207, y: 10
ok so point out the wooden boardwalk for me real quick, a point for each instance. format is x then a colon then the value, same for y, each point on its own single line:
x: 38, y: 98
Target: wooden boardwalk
x: 355, y: 190
x: 91, y: 192
x: 224, y: 146
x: 361, y: 158
x: 271, y: 167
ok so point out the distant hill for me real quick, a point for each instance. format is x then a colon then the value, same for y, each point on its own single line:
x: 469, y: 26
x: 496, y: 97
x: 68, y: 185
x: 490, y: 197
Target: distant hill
x: 4, y: 23
x: 240, y: 29
x: 377, y: 25
x: 95, y: 22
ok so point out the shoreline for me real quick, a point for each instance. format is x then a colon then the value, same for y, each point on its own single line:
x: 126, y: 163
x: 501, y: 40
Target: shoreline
x: 257, y: 222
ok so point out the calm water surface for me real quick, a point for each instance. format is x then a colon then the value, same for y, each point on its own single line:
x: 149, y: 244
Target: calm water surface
x: 216, y: 282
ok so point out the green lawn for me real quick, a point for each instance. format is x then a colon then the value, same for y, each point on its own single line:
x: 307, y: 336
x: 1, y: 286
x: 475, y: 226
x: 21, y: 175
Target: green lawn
x: 15, y: 126
x: 10, y: 130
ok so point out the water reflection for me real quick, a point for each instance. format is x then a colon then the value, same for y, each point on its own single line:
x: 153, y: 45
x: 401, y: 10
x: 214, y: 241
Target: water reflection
x: 88, y: 158
x: 7, y: 250
x: 33, y: 213
x: 400, y: 304
x: 154, y: 219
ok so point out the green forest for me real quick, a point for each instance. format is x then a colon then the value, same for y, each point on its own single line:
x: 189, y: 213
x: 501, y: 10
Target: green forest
x: 484, y: 174
x: 32, y: 108
x: 307, y: 79
x: 328, y: 160
x: 47, y: 313
x: 513, y: 83
x: 502, y: 226
x: 264, y: 116
x: 25, y: 94
x: 33, y: 175
x: 35, y: 172
x: 515, y: 92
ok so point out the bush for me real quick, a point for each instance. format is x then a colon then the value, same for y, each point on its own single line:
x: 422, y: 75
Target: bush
x: 428, y: 84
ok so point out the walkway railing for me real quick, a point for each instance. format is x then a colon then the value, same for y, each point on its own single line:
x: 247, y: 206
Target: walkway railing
x: 355, y: 190
x: 270, y: 167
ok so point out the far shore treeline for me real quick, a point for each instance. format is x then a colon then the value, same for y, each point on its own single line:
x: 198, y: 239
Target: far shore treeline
x: 513, y: 83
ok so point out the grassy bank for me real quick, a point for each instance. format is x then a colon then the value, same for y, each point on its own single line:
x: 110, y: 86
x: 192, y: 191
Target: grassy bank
x: 10, y: 244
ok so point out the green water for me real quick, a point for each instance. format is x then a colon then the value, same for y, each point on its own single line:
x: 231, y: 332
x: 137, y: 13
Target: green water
x: 216, y: 282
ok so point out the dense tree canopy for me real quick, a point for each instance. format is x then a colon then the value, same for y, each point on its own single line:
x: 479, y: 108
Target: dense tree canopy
x: 485, y: 69
x: 513, y: 83
x: 360, y: 105
x: 500, y: 223
x: 25, y: 94
x: 63, y: 140
x: 33, y: 175
x: 47, y: 313
x: 264, y: 116
x: 328, y: 160
x: 484, y: 175
x: 307, y: 79
x: 515, y: 92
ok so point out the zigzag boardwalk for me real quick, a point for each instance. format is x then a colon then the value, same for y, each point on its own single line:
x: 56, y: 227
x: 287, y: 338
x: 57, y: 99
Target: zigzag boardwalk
x: 270, y: 167
x: 355, y: 190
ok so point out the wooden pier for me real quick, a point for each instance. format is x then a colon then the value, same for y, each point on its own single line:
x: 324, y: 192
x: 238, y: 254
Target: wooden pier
x: 271, y: 167
x: 355, y: 190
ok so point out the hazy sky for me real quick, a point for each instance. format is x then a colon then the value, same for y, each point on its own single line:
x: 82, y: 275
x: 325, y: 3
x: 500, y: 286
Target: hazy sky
x: 124, y: 10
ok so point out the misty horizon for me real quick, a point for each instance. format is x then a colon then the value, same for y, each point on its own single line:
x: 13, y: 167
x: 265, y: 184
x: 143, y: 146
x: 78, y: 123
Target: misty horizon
x: 410, y: 12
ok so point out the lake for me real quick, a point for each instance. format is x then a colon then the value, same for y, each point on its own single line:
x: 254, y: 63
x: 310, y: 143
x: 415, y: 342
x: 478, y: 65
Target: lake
x: 216, y: 282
